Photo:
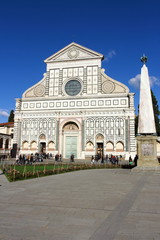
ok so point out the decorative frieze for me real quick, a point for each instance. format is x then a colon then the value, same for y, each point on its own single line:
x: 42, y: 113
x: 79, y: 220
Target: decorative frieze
x: 61, y: 104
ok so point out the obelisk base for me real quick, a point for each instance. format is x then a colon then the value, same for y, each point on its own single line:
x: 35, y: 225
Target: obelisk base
x: 147, y: 154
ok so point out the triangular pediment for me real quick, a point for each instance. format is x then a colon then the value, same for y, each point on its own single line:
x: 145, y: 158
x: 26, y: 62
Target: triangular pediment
x: 73, y: 51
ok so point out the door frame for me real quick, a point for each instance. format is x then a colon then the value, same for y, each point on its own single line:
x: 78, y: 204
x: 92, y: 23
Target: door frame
x: 63, y: 134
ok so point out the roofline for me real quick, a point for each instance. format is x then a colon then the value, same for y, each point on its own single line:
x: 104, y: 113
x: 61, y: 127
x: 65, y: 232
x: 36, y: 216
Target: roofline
x: 78, y: 45
x: 6, y: 123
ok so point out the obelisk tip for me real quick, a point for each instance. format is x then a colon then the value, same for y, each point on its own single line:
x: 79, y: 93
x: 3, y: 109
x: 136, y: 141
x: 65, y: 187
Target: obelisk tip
x: 144, y: 59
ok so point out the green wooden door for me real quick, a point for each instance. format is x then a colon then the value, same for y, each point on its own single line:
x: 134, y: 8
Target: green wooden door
x: 71, y: 146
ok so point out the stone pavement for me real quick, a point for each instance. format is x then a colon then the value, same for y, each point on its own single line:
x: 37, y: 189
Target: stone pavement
x: 112, y: 204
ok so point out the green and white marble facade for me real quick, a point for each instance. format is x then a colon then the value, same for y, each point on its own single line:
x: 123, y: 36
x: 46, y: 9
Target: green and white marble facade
x: 102, y: 108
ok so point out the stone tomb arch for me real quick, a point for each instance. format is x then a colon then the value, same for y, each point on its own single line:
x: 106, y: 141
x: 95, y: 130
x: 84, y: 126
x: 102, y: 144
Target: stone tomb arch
x: 109, y: 146
x: 119, y: 146
x: 70, y: 139
x: 51, y: 146
x: 33, y: 145
x: 25, y: 145
x: 89, y: 146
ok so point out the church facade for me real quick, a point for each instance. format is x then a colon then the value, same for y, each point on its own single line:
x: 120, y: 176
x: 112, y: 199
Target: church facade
x: 75, y: 109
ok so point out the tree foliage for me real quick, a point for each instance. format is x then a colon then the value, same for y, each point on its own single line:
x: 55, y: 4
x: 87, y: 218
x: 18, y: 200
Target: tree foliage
x: 11, y: 116
x: 156, y: 113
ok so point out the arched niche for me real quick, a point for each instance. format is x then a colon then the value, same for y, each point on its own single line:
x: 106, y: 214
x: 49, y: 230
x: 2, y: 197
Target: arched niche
x: 42, y: 137
x: 119, y: 147
x: 99, y: 137
x: 34, y: 145
x: 25, y: 145
x: 89, y: 146
x: 70, y: 126
x: 51, y: 145
x: 109, y: 146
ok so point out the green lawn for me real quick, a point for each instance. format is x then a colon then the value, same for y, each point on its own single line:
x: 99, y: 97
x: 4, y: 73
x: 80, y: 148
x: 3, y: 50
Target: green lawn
x: 41, y: 167
x: 22, y: 172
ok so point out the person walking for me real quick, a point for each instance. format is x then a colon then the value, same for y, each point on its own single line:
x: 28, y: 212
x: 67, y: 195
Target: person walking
x: 72, y: 158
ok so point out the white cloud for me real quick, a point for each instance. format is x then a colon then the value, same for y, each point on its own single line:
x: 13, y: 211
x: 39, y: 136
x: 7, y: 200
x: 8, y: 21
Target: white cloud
x: 4, y: 113
x: 110, y: 55
x: 154, y: 81
x: 135, y: 81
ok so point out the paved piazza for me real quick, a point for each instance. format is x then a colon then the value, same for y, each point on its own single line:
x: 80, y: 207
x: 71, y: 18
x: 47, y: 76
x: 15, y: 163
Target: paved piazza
x: 83, y: 205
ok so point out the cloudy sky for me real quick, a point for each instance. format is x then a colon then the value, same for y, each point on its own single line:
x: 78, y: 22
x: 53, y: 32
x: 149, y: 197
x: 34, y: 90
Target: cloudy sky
x: 32, y: 30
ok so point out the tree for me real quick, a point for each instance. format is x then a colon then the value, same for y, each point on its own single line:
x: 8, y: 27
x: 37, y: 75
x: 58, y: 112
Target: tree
x: 136, y: 124
x: 156, y: 115
x: 11, y: 116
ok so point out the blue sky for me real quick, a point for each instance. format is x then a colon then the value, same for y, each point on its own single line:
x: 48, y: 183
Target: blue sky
x: 32, y: 30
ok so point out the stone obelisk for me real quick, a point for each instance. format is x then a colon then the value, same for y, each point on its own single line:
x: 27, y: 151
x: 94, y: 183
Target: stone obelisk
x: 146, y: 139
x: 146, y: 121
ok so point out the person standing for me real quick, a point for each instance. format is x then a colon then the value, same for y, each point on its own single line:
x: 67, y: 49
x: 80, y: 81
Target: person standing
x: 107, y: 158
x: 135, y: 160
x: 130, y: 160
x: 92, y: 159
x: 72, y: 158
x: 60, y: 157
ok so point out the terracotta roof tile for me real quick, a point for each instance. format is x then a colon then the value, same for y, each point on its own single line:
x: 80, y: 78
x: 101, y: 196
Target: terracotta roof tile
x: 7, y: 124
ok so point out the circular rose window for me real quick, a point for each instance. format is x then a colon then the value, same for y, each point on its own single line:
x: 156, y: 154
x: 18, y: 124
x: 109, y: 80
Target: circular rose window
x: 73, y: 87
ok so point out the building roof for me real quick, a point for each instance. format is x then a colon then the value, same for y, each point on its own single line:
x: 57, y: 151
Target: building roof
x: 73, y: 47
x: 7, y: 124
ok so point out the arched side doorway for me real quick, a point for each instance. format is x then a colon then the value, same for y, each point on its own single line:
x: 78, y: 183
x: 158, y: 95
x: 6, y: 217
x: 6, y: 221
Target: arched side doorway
x: 100, y: 145
x: 1, y: 143
x: 70, y: 139
x: 42, y: 143
x: 7, y: 144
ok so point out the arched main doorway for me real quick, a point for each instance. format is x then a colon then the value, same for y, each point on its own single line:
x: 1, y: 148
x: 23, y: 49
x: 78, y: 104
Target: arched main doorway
x: 70, y: 139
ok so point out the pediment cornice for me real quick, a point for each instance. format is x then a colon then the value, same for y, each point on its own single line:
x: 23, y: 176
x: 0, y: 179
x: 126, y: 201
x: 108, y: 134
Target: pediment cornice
x: 74, y: 51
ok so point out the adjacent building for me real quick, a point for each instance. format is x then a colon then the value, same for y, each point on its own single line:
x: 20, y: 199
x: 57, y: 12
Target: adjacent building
x: 6, y: 138
x: 75, y: 109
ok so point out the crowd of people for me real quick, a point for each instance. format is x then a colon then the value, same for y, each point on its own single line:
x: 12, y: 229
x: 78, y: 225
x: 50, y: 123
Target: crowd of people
x: 40, y: 157
x: 113, y: 159
x: 31, y: 158
x: 58, y: 157
x: 105, y: 159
